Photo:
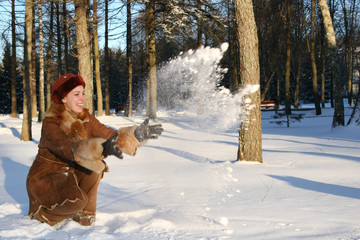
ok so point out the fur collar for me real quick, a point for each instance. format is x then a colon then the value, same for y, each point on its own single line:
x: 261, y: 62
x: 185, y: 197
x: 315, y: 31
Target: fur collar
x: 72, y: 127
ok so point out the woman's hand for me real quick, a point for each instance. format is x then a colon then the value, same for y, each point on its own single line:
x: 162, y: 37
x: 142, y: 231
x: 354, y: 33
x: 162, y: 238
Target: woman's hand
x: 146, y: 131
x: 111, y: 147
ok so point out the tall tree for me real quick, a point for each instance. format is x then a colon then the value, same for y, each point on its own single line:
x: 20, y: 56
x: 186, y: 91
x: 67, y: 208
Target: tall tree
x: 83, y: 46
x: 58, y: 34
x: 107, y: 62
x: 13, y: 62
x: 250, y: 139
x: 49, y: 55
x: 41, y: 65
x: 97, y: 61
x: 199, y: 41
x: 234, y: 80
x: 338, y: 119
x: 288, y: 58
x: 33, y: 86
x: 323, y: 65
x: 151, y: 52
x: 65, y: 33
x: 299, y: 49
x: 313, y: 59
x: 349, y: 22
x: 128, y: 111
x: 26, y: 124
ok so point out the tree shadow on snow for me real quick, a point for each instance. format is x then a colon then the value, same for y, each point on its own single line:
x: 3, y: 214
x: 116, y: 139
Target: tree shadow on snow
x: 187, y: 155
x: 319, y: 154
x: 15, y: 181
x: 202, y: 141
x: 333, y: 189
x: 319, y: 143
x: 14, y: 131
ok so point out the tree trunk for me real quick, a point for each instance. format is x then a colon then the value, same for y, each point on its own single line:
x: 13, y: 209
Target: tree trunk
x: 299, y: 41
x: 355, y: 115
x: 49, y: 63
x: 41, y: 63
x: 267, y: 84
x: 58, y: 33
x: 65, y: 34
x: 338, y: 119
x: 323, y: 67
x: 33, y: 71
x: 236, y: 65
x: 128, y: 111
x: 26, y: 124
x: 349, y: 25
x: 332, y: 12
x: 152, y: 89
x: 13, y: 62
x: 349, y: 76
x: 278, y: 98
x: 313, y: 60
x: 83, y: 46
x: 97, y: 62
x: 250, y: 139
x: 288, y: 58
x: 297, y: 85
x: 199, y: 27
x: 107, y: 63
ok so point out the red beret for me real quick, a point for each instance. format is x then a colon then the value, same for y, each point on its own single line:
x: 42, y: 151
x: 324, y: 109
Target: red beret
x: 64, y: 84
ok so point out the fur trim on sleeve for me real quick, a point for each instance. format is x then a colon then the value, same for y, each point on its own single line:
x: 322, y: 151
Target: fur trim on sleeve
x: 88, y: 153
x: 130, y: 131
x: 128, y: 144
x: 127, y: 140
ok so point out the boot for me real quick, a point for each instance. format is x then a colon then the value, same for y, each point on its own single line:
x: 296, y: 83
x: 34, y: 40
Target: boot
x: 85, y: 218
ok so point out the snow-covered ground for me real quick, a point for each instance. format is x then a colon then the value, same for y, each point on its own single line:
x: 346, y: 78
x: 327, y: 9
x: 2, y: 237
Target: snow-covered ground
x: 186, y: 185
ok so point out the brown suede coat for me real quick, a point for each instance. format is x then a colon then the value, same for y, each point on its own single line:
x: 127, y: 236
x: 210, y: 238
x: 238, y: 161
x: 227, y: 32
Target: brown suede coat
x: 69, y: 146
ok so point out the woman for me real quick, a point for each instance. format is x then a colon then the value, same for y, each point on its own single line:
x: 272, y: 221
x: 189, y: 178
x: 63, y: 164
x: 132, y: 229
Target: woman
x: 64, y: 177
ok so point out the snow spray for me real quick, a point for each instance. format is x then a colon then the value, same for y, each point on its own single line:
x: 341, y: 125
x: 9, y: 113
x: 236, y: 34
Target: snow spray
x: 191, y: 83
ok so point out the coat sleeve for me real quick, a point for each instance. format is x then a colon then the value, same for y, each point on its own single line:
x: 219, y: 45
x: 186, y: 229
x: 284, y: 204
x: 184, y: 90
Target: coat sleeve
x: 126, y: 140
x: 98, y: 130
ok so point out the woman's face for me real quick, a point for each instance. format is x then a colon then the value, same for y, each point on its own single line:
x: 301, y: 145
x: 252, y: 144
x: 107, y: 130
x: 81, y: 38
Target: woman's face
x: 75, y: 99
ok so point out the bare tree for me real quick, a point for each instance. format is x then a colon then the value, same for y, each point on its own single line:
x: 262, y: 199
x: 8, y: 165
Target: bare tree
x: 33, y: 70
x: 58, y: 33
x: 97, y: 62
x: 299, y: 53
x: 199, y: 26
x: 83, y: 46
x: 338, y: 119
x: 313, y: 59
x: 65, y: 34
x: 13, y: 62
x: 49, y: 62
x: 250, y: 139
x: 288, y: 58
x: 41, y: 63
x: 151, y: 52
x: 349, y: 25
x: 323, y: 65
x: 128, y: 111
x: 107, y: 62
x: 26, y: 124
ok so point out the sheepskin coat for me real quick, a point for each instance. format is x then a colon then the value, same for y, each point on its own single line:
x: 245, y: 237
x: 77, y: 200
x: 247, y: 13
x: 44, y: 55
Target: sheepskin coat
x: 69, y: 144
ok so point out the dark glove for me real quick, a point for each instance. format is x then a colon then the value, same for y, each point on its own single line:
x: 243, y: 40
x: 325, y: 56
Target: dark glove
x: 146, y: 131
x: 111, y: 147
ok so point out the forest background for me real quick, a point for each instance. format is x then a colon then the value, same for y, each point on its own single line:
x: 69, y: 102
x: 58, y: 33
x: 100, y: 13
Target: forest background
x: 294, y: 58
